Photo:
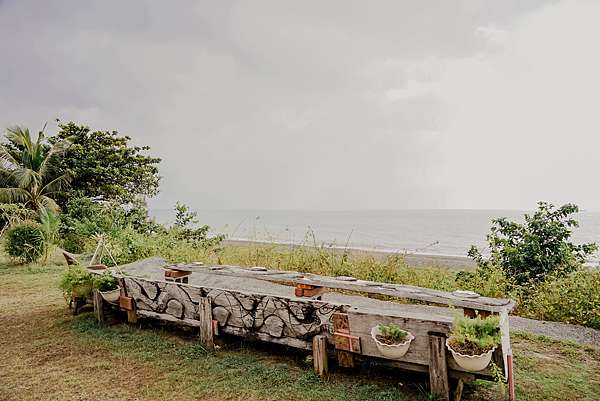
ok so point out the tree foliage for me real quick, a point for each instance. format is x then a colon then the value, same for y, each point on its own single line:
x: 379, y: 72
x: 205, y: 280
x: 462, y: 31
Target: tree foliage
x: 540, y: 246
x: 103, y: 164
x: 29, y: 173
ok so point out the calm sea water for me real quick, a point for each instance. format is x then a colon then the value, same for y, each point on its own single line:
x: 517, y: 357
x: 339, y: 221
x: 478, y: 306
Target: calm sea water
x: 438, y: 232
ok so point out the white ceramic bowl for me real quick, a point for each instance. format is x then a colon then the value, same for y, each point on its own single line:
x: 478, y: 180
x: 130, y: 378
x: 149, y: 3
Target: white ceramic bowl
x: 471, y: 363
x: 394, y: 351
x: 111, y: 296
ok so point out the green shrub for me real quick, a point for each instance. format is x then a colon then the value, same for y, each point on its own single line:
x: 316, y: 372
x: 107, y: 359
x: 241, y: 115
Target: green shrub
x: 392, y: 332
x: 539, y: 247
x: 76, y: 281
x: 571, y: 299
x: 25, y: 242
x: 105, y: 281
x: 474, y: 336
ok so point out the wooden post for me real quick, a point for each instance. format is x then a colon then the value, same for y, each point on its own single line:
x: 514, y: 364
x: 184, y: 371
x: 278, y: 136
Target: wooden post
x: 98, y: 306
x: 460, y: 384
x: 511, y: 379
x: 438, y: 368
x: 320, y: 356
x: 206, y: 323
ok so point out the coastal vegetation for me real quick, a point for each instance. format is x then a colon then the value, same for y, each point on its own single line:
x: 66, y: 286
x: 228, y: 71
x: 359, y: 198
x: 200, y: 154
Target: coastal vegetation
x: 69, y: 190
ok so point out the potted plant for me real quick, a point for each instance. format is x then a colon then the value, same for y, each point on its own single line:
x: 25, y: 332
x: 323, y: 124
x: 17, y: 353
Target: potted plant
x: 473, y: 341
x: 76, y: 282
x: 391, y: 340
x: 108, y: 286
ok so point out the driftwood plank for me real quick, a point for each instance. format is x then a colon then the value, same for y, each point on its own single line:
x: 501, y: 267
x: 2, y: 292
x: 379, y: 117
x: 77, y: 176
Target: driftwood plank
x: 369, y: 287
x: 206, y: 326
x: 98, y: 306
x: 271, y: 318
x: 320, y: 356
x: 438, y: 369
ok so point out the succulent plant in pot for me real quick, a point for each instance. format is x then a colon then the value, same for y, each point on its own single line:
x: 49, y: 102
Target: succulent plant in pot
x: 392, y: 342
x: 473, y: 341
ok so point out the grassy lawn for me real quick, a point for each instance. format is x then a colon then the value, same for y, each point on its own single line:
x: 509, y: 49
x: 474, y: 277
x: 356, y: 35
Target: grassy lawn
x: 47, y: 354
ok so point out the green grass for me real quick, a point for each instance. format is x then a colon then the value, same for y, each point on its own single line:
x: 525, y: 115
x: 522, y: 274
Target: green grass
x: 48, y: 354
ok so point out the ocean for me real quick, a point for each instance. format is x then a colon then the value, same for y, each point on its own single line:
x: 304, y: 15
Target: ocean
x: 433, y: 232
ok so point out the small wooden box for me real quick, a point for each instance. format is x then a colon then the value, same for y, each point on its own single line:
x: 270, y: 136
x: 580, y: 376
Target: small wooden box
x: 126, y: 303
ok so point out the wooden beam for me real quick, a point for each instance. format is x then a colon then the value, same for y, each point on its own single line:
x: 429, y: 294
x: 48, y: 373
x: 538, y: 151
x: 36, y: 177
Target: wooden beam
x: 458, y: 390
x: 206, y: 325
x: 479, y: 303
x: 438, y: 368
x: 320, y: 356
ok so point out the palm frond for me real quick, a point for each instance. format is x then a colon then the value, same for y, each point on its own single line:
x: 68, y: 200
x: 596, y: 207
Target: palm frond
x: 14, y: 195
x: 19, y: 136
x: 48, y: 203
x: 25, y: 178
x: 7, y: 160
x: 56, y: 186
x: 48, y: 164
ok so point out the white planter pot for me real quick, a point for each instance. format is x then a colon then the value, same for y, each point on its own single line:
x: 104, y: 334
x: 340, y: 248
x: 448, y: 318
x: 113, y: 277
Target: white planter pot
x: 471, y: 363
x: 111, y: 296
x: 394, y: 351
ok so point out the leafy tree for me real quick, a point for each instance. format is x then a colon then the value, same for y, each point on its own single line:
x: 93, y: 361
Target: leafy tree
x: 28, y: 170
x: 536, y: 248
x: 104, y: 165
x: 198, y: 237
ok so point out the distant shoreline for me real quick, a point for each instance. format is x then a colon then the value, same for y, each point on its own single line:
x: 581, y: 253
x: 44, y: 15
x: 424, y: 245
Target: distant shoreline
x: 412, y: 258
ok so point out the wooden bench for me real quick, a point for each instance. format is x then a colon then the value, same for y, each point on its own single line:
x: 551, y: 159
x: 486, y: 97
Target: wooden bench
x: 304, y: 321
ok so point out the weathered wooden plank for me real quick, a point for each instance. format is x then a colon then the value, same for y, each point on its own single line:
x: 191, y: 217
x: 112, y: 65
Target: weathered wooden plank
x: 206, y: 326
x: 345, y: 358
x: 168, y: 318
x: 419, y: 325
x: 458, y: 390
x: 395, y: 290
x: 288, y: 341
x: 279, y: 317
x: 98, y: 306
x: 361, y: 324
x: 415, y: 367
x: 320, y: 356
x: 438, y: 369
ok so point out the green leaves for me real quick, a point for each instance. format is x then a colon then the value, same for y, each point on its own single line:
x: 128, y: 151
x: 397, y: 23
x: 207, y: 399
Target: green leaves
x: 28, y: 170
x: 103, y: 164
x: 478, y: 332
x: 393, y: 332
x: 540, y: 246
x: 25, y: 242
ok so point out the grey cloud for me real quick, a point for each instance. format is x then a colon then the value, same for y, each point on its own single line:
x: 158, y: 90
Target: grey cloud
x: 264, y: 104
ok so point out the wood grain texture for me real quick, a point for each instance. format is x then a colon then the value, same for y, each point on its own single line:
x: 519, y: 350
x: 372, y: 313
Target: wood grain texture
x: 369, y: 287
x: 272, y: 317
x: 98, y: 306
x: 438, y: 368
x: 206, y: 325
x: 320, y: 356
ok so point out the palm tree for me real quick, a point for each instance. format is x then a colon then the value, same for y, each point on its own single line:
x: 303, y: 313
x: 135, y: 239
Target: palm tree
x: 28, y: 170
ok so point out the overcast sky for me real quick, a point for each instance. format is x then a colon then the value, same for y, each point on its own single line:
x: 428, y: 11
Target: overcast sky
x: 324, y: 104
